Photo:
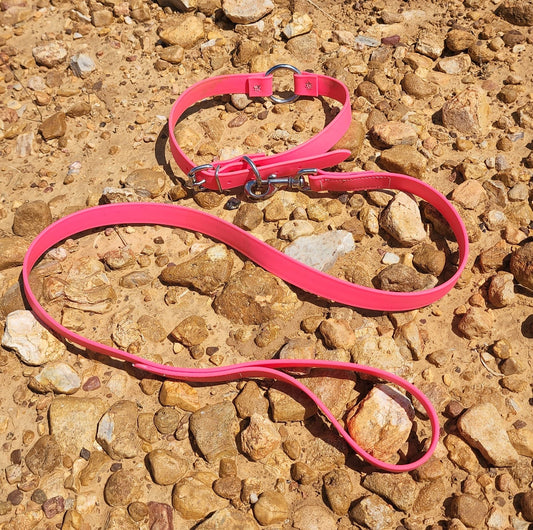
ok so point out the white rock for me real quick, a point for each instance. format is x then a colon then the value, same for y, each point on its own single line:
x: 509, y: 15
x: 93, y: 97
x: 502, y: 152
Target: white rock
x: 321, y: 251
x: 246, y: 11
x: 50, y: 54
x: 81, y: 65
x: 389, y: 258
x: 483, y: 428
x: 260, y: 438
x: 32, y: 342
x: 299, y: 25
x: 456, y: 64
x: 60, y: 378
x: 401, y: 219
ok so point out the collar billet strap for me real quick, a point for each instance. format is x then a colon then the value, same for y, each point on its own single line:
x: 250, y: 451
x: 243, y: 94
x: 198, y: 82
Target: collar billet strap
x: 233, y: 173
x: 263, y: 254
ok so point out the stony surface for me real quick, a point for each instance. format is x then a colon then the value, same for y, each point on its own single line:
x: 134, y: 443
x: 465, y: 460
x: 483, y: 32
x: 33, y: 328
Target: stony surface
x: 401, y: 219
x: 437, y: 90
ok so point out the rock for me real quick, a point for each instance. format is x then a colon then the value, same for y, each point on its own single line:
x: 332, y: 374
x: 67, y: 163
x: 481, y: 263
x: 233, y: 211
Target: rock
x: 260, y: 438
x: 468, y: 112
x: 525, y: 116
x: 214, y: 428
x: 337, y: 333
x: 118, y: 519
x: 429, y: 260
x: 205, y: 272
x: 355, y: 227
x: 460, y: 453
x: 476, y: 323
x: 459, y: 40
x: 526, y: 505
x: 54, y: 126
x: 339, y: 490
x: 516, y: 12
x: 381, y: 422
x: 271, y: 508
x: 248, y: 217
x: 117, y: 431
x: 32, y: 343
x: 321, y: 251
x: 121, y: 488
x: 353, y: 139
x: 431, y: 494
x: 455, y: 65
x: 299, y: 25
x: 373, y: 512
x: 469, y: 510
x: 151, y: 329
x: 245, y: 11
x: 31, y: 218
x: 522, y: 441
x: 50, y: 54
x: 192, y: 498
x: 469, y: 194
x: 186, y: 31
x: 160, y: 516
x: 313, y: 517
x: 44, y: 457
x: 483, y: 428
x: 292, y: 230
x: 492, y: 258
x: 401, y: 490
x: 392, y: 133
x: 167, y: 420
x: 208, y: 199
x: 56, y: 377
x: 82, y: 65
x: 120, y: 258
x: 146, y: 182
x: 84, y: 413
x: 288, y: 404
x: 429, y: 45
x: 399, y: 277
x: 417, y: 87
x: 409, y: 339
x: 53, y: 506
x: 178, y: 394
x: 166, y: 467
x: 254, y: 296
x: 402, y: 220
x: 180, y: 5
x: 251, y: 401
x: 190, y: 331
x: 228, y: 487
x: 12, y: 252
x: 228, y: 519
x: 403, y: 159
x: 24, y: 145
x: 381, y: 352
x: 521, y: 265
x: 303, y: 474
x: 172, y: 54
x: 501, y: 290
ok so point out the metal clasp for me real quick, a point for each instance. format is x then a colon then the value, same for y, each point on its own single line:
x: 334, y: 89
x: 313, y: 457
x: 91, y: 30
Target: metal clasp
x: 270, y: 185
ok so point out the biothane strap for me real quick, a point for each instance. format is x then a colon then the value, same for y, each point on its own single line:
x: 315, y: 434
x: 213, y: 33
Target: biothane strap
x: 268, y: 257
x: 228, y: 174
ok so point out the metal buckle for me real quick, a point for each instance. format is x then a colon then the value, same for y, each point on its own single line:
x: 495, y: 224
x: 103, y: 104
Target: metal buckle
x: 271, y: 71
x: 297, y: 182
x: 192, y: 176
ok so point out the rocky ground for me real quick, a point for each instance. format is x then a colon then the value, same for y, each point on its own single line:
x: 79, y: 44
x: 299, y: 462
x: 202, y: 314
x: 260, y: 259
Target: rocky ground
x: 441, y: 91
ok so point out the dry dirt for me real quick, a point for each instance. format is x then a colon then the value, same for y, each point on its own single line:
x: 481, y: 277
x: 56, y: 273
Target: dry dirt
x: 128, y: 97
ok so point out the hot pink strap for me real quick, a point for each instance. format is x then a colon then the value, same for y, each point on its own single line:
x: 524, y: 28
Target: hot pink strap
x: 227, y: 174
x: 278, y: 263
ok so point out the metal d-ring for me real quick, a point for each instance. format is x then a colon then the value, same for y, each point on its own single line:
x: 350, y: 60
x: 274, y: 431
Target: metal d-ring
x: 217, y: 169
x: 270, y: 71
x: 253, y: 167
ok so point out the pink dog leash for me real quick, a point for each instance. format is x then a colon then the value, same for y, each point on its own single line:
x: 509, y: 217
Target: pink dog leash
x: 178, y: 216
x: 257, y: 173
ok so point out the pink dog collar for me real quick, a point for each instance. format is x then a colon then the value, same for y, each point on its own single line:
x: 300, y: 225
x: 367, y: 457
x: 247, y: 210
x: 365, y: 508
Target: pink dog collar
x: 233, y: 173
x: 178, y: 216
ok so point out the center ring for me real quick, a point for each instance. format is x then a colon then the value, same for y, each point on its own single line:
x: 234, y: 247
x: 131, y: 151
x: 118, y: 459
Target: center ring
x: 270, y: 71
